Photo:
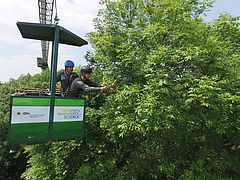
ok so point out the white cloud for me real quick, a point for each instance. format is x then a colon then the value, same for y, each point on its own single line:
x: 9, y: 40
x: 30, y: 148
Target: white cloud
x: 35, y: 46
x: 74, y: 15
x: 13, y: 11
x: 18, y: 65
x: 79, y: 14
x: 16, y: 10
x: 10, y: 38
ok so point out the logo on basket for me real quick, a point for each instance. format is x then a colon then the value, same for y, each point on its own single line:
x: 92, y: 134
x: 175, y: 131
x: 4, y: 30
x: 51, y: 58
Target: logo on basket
x: 26, y: 113
x: 18, y: 113
x: 70, y: 113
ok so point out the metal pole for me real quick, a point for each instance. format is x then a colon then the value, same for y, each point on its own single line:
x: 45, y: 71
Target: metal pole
x: 53, y: 80
x: 51, y: 64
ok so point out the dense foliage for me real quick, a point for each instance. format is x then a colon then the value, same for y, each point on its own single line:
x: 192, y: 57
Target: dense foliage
x: 174, y: 112
x: 12, y: 165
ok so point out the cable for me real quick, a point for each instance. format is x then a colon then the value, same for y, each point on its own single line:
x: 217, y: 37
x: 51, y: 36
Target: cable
x: 56, y: 20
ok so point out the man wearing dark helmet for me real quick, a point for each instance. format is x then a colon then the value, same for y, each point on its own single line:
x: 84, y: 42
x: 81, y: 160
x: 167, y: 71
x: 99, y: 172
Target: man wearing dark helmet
x: 84, y: 83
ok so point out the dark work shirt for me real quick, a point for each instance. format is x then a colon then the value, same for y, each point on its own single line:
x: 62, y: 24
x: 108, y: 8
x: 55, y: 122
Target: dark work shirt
x: 66, y: 80
x: 78, y: 86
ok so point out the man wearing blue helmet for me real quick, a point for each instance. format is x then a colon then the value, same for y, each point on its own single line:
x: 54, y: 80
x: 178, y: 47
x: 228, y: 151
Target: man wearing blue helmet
x: 83, y: 83
x: 66, y: 77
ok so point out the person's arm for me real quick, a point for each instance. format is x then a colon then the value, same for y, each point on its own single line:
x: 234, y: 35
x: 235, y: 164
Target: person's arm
x: 94, y: 84
x: 58, y: 78
x: 59, y: 87
x: 85, y: 87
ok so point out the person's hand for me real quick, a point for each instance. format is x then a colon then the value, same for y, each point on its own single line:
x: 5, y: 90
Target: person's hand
x: 61, y: 89
x: 105, y: 87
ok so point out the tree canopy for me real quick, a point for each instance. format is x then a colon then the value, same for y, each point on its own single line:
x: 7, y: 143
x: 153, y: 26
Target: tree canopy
x: 174, y: 111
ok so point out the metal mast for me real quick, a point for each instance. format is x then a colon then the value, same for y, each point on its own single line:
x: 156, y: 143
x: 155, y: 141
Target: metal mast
x: 45, y: 17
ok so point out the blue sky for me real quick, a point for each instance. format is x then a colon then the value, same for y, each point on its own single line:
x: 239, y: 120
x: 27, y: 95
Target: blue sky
x: 19, y: 56
x: 230, y: 6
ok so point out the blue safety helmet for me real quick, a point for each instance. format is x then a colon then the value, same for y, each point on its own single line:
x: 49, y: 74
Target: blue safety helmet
x: 69, y: 63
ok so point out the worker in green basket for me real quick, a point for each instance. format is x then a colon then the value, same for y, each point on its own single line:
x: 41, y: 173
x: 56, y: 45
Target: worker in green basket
x: 83, y: 83
x: 66, y: 77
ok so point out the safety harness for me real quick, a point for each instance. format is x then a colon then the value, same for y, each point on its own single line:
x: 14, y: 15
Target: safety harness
x: 70, y: 93
x: 64, y: 76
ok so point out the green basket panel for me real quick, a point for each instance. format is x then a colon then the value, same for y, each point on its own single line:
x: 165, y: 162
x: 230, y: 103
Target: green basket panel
x: 28, y: 132
x: 67, y: 129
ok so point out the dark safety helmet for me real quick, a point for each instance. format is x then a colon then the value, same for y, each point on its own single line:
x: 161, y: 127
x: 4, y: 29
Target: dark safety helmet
x: 86, y: 69
x: 69, y: 63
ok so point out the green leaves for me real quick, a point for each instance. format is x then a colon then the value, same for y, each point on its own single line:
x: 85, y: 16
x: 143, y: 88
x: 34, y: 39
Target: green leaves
x: 178, y: 91
x: 174, y: 110
x: 14, y: 164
